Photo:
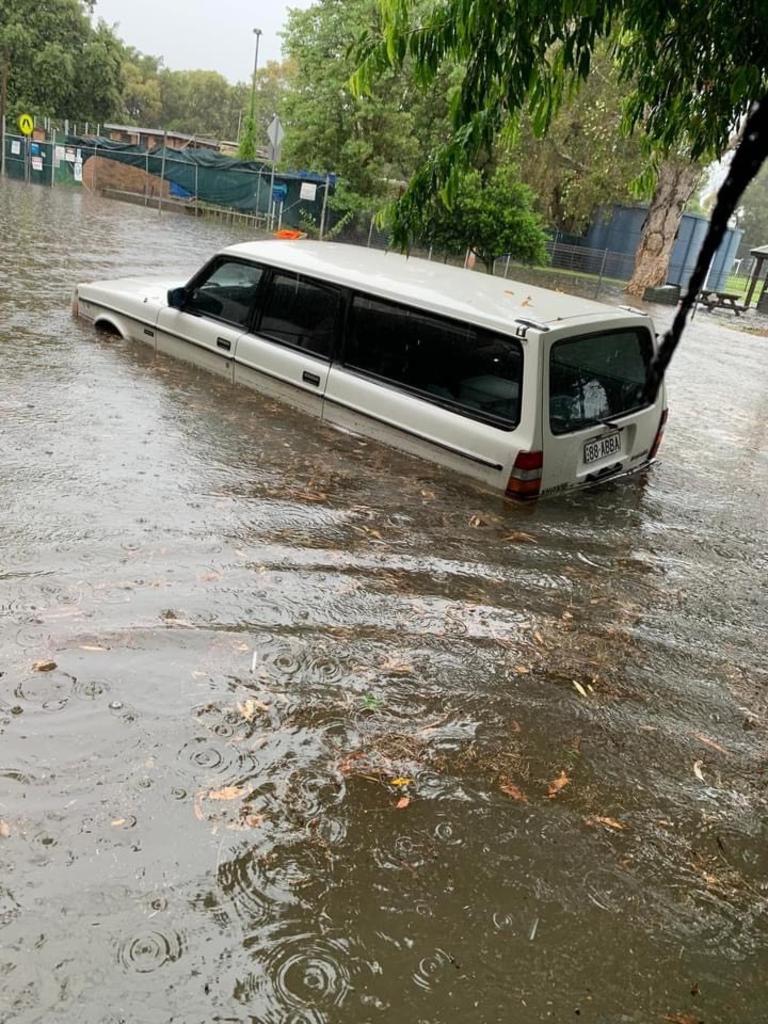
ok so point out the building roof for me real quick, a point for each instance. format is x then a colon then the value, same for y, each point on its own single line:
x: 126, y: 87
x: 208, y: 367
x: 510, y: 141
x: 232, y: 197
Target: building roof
x: 761, y: 250
x: 135, y: 130
x: 492, y: 301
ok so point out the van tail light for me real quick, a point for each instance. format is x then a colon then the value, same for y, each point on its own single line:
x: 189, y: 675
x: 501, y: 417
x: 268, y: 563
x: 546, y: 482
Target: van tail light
x: 659, y: 435
x: 525, y: 478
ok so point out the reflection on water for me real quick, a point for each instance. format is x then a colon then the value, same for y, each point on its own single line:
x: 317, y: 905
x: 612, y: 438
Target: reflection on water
x: 331, y: 736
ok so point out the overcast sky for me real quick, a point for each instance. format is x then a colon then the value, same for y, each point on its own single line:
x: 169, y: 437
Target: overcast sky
x: 212, y: 34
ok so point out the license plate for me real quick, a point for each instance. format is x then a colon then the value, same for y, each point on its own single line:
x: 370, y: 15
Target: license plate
x: 601, y: 447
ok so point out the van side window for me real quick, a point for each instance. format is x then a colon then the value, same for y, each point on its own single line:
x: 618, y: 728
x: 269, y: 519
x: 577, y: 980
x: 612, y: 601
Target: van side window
x: 300, y: 313
x: 226, y: 293
x: 464, y: 368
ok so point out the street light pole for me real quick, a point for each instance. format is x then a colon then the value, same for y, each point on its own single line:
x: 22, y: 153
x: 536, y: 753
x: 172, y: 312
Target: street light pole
x: 257, y: 33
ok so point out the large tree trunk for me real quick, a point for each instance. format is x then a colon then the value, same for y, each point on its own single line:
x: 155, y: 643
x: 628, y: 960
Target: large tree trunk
x: 677, y: 182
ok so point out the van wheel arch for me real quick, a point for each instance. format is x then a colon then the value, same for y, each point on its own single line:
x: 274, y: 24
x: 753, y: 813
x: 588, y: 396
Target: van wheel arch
x: 106, y: 326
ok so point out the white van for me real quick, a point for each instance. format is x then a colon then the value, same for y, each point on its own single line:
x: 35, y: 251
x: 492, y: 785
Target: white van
x: 528, y: 391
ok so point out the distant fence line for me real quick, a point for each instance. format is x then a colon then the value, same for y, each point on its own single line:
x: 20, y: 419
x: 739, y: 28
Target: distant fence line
x: 72, y: 161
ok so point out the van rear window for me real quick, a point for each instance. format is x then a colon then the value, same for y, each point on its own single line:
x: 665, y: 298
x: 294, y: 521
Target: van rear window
x: 596, y: 377
x: 464, y: 368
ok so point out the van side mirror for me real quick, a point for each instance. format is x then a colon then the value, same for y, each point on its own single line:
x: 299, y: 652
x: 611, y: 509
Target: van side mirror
x: 177, y: 297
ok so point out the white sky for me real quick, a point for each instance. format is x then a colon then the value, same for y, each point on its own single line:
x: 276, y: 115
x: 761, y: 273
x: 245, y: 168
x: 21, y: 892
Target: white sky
x: 213, y: 34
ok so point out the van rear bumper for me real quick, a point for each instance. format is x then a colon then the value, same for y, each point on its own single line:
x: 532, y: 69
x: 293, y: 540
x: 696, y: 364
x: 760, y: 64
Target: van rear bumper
x: 586, y: 485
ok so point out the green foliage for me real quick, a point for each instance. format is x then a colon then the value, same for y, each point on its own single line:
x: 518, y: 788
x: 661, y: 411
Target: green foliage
x: 753, y: 215
x: 490, y: 217
x: 373, y: 142
x: 693, y: 69
x: 57, y: 63
x: 584, y: 161
x: 247, y: 147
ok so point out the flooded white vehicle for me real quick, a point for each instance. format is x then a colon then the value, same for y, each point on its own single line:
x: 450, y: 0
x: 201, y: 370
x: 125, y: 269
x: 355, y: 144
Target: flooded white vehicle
x: 526, y: 390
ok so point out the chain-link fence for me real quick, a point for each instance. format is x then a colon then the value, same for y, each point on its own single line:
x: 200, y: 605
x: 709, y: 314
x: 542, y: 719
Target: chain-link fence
x: 199, y: 182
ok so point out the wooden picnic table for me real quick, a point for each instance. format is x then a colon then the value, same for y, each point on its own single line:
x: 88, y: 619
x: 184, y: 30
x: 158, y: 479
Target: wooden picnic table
x: 713, y: 299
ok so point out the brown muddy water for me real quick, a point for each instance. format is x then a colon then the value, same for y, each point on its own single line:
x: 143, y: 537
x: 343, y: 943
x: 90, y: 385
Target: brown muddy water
x: 332, y: 736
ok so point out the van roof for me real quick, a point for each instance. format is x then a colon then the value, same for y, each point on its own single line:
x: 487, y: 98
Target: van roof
x: 479, y: 298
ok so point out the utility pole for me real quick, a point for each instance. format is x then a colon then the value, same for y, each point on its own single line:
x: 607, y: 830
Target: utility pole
x: 3, y: 103
x: 257, y: 33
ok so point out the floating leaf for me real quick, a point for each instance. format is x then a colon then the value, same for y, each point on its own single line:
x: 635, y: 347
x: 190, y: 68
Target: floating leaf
x: 566, y: 616
x: 522, y: 670
x: 682, y: 1018
x: 697, y: 771
x: 510, y: 789
x: 476, y: 521
x: 93, y: 647
x: 402, y: 803
x: 557, y: 784
x: 5, y: 829
x: 118, y: 822
x: 518, y: 537
x: 710, y: 743
x: 249, y: 708
x: 579, y: 688
x: 228, y: 793
x: 401, y: 782
x: 610, y: 823
x: 44, y: 666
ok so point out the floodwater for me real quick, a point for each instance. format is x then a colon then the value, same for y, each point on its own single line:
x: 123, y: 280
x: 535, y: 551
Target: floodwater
x: 334, y: 737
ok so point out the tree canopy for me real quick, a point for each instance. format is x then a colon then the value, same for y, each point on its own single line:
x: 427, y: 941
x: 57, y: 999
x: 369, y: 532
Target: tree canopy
x: 56, y: 63
x: 692, y: 68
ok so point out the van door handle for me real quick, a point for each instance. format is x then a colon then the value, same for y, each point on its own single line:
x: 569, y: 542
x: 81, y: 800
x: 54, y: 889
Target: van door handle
x: 223, y: 343
x: 311, y: 378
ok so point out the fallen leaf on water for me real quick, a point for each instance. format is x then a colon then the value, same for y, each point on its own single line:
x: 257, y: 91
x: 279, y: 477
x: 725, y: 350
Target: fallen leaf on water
x: 476, y: 521
x: 522, y: 670
x: 253, y: 820
x: 611, y: 823
x: 92, y: 647
x: 682, y: 1018
x: 697, y: 771
x: 44, y: 666
x: 566, y: 616
x: 527, y: 301
x: 510, y: 789
x: 400, y: 782
x: 557, y: 784
x: 399, y: 666
x: 118, y: 822
x: 429, y: 495
x: 518, y: 537
x: 515, y: 726
x: 249, y: 708
x: 402, y: 803
x: 538, y: 637
x: 580, y: 688
x: 709, y: 743
x: 227, y: 793
x: 5, y: 829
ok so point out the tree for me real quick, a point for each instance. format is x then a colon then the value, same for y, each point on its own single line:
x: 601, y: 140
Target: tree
x: 693, y: 68
x: 370, y: 141
x: 753, y: 214
x: 583, y: 162
x: 246, y: 149
x: 53, y: 62
x: 490, y: 217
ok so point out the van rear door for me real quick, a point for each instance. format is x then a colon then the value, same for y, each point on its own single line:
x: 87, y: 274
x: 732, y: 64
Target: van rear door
x: 596, y: 423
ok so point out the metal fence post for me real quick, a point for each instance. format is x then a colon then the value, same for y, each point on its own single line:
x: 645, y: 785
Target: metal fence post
x: 370, y: 229
x: 53, y: 158
x: 602, y: 271
x: 506, y: 268
x: 146, y: 177
x: 197, y: 198
x: 325, y: 205
x: 162, y: 175
x: 258, y: 193
x: 2, y: 146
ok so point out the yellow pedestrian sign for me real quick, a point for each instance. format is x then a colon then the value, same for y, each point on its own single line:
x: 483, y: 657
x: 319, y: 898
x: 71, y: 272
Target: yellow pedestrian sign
x: 26, y: 124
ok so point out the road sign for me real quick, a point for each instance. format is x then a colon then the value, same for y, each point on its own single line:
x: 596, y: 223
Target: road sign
x: 276, y: 134
x: 26, y: 124
x: 279, y: 193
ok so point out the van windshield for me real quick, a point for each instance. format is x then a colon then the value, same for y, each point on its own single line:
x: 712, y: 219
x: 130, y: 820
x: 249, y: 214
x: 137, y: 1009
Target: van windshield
x: 597, y: 377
